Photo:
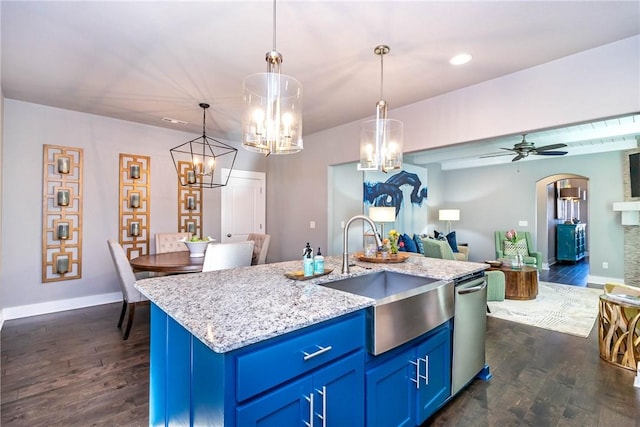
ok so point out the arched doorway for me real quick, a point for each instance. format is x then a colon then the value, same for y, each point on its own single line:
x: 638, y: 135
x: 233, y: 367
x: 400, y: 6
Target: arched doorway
x: 552, y: 210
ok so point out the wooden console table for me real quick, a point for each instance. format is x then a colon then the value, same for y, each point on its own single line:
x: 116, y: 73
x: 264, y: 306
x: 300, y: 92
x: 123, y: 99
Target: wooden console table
x: 520, y: 283
x: 619, y: 331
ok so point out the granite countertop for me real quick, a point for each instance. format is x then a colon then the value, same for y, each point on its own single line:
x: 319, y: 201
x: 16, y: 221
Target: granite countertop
x: 230, y: 309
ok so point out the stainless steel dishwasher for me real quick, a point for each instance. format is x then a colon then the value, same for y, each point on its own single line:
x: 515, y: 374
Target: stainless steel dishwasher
x: 469, y: 329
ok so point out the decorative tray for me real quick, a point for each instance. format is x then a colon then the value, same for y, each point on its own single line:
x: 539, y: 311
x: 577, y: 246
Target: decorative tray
x: 390, y: 259
x: 299, y: 275
x: 494, y: 264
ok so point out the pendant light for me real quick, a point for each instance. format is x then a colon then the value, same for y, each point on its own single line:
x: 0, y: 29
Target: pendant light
x: 199, y: 162
x: 272, y: 118
x: 381, y: 138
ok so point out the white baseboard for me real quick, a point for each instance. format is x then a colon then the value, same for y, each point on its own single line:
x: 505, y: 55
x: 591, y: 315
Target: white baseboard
x: 601, y: 280
x: 21, y: 311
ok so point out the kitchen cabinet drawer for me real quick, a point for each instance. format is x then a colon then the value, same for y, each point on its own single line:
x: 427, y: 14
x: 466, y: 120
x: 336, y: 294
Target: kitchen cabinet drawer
x: 285, y: 358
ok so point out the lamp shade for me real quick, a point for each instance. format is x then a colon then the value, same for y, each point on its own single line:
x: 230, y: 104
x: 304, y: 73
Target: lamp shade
x: 570, y: 193
x: 382, y: 214
x: 449, y: 215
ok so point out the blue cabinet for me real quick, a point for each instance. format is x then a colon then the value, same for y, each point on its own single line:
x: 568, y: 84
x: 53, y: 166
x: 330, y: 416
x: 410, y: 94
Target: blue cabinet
x: 570, y: 242
x: 319, y: 373
x: 406, y: 386
x: 330, y: 396
x: 271, y: 383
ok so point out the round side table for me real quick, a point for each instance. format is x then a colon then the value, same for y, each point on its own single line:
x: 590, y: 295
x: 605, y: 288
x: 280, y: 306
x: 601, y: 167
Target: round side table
x: 619, y: 331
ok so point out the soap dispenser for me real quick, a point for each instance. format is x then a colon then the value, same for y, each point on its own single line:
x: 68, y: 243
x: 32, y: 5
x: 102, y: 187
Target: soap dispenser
x: 318, y: 263
x: 307, y: 261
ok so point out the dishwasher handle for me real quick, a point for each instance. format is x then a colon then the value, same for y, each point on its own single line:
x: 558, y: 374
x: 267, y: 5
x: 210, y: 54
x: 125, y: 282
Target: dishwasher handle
x: 463, y: 290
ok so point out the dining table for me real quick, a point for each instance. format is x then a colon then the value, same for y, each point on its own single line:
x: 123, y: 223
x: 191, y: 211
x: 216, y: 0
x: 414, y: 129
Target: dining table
x: 168, y: 262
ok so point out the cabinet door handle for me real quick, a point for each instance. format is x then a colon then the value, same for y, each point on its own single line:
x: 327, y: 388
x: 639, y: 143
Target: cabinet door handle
x: 321, y: 350
x: 418, y: 376
x: 310, y: 400
x: 426, y: 369
x: 323, y: 417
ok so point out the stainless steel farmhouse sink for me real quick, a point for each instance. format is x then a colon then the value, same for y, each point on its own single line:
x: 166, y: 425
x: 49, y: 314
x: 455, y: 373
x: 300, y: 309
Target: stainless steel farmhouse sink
x: 406, y: 306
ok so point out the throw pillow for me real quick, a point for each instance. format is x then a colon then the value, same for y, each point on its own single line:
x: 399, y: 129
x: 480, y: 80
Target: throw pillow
x: 401, y: 247
x: 439, y: 236
x: 418, y: 241
x: 451, y: 238
x: 409, y: 244
x: 520, y: 247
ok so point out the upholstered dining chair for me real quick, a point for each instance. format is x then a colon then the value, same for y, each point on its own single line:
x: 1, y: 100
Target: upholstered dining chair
x: 221, y: 256
x: 260, y: 248
x: 130, y: 295
x: 170, y: 242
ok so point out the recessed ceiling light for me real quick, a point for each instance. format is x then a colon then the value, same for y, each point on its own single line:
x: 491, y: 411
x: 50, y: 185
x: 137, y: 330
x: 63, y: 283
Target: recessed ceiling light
x: 460, y: 59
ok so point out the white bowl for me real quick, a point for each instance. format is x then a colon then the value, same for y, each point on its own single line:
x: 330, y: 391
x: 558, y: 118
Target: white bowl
x: 197, y: 249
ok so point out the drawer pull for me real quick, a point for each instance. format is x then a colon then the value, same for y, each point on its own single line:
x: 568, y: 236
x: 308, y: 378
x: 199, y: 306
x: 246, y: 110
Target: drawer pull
x: 321, y: 350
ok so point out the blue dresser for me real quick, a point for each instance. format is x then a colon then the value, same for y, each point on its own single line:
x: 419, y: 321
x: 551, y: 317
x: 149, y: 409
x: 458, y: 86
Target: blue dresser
x: 571, y: 242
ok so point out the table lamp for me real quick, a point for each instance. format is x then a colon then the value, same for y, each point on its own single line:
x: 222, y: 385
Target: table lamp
x: 572, y: 195
x: 382, y: 214
x: 449, y: 215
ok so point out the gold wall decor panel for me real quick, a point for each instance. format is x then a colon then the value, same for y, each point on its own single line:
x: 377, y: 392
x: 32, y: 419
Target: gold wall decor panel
x: 61, y: 213
x: 189, y: 201
x: 134, y: 204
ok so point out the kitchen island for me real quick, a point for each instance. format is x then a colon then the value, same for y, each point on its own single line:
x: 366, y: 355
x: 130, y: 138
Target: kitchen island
x: 225, y: 344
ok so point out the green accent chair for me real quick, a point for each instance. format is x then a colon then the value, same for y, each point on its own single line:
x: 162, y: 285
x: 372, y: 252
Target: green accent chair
x: 533, y: 260
x: 495, y: 285
x: 441, y: 249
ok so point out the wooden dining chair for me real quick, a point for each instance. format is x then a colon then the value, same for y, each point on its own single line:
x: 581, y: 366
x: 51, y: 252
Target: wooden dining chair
x: 130, y: 295
x: 221, y: 256
x: 260, y: 247
x: 170, y: 242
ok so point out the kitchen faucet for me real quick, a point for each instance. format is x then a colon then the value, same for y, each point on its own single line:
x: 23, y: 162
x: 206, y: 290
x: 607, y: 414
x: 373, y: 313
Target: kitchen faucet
x: 345, y: 244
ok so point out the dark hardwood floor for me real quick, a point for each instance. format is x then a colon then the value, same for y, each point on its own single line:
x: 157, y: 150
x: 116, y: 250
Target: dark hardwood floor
x: 568, y: 273
x: 73, y: 369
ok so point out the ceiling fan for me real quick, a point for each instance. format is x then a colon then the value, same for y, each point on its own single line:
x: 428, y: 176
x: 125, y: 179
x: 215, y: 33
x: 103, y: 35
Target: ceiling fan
x: 524, y: 148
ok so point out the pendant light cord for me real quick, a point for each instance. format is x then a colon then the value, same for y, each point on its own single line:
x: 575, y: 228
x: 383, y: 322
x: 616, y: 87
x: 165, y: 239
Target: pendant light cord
x: 274, y: 25
x: 204, y: 118
x: 381, y: 75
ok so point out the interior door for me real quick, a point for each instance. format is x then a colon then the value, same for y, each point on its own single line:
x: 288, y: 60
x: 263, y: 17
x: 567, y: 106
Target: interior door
x: 243, y: 205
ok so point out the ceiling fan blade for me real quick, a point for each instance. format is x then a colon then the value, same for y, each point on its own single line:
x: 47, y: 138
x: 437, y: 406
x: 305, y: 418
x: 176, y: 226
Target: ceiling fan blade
x: 508, y: 149
x: 518, y: 157
x: 550, y: 147
x: 495, y: 155
x: 551, y: 153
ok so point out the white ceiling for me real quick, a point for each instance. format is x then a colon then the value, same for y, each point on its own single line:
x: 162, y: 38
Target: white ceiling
x: 142, y: 61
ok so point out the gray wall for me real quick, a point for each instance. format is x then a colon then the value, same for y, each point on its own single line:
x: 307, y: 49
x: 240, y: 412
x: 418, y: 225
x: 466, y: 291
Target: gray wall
x: 601, y: 82
x: 26, y: 128
x: 498, y: 197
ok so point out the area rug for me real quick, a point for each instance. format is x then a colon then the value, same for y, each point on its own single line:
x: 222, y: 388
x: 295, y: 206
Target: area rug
x: 562, y: 308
